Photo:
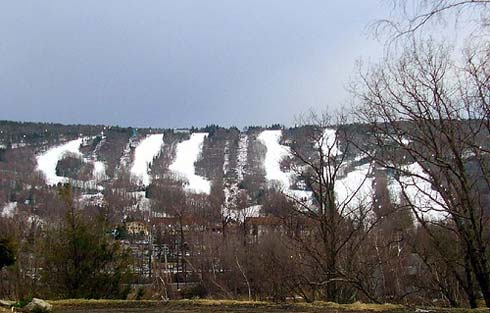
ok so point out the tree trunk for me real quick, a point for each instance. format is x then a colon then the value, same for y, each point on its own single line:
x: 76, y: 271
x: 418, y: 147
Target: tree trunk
x: 470, y: 292
x: 480, y: 268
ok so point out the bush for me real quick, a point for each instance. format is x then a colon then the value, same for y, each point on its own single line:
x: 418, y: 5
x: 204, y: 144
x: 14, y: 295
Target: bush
x: 198, y: 291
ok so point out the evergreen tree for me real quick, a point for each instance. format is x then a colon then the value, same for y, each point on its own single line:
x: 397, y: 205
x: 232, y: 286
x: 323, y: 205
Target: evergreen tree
x: 7, y: 252
x: 81, y: 260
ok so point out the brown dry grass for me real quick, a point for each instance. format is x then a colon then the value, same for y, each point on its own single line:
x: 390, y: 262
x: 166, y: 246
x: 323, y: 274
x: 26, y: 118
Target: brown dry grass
x: 230, y: 306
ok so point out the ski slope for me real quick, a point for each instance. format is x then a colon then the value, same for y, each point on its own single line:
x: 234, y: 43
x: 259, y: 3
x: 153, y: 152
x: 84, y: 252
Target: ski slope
x: 242, y: 157
x: 273, y: 157
x: 417, y: 191
x: 273, y: 174
x: 356, y: 188
x: 352, y: 190
x: 99, y: 170
x: 187, y: 154
x: 230, y: 186
x: 46, y: 162
x: 147, y: 150
x: 355, y: 191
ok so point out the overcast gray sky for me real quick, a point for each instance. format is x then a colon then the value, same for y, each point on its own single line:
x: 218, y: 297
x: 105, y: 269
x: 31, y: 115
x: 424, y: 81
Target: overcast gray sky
x: 179, y: 63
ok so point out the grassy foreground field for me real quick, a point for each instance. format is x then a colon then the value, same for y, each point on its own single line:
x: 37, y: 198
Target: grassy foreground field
x: 213, y: 306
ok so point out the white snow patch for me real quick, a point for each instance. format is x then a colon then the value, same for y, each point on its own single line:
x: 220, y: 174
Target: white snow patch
x: 272, y: 163
x: 405, y: 141
x: 35, y: 219
x: 93, y: 199
x: 46, y: 162
x: 18, y: 145
x: 126, y: 156
x: 329, y: 142
x: 9, y: 210
x: 416, y: 188
x: 241, y: 215
x: 142, y: 202
x: 273, y: 157
x: 242, y: 157
x: 188, y: 152
x: 99, y: 170
x: 355, y: 190
x: 231, y: 190
x: 229, y: 187
x: 148, y: 149
x: 226, y: 158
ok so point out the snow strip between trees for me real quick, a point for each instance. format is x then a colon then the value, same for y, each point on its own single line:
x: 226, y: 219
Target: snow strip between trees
x: 47, y: 162
x: 188, y: 152
x: 147, y: 150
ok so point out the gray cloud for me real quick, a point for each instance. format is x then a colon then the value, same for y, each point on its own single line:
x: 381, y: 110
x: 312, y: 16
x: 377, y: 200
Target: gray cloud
x: 178, y: 63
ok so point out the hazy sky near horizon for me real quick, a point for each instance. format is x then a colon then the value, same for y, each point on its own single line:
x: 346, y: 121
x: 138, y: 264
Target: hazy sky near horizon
x: 180, y: 63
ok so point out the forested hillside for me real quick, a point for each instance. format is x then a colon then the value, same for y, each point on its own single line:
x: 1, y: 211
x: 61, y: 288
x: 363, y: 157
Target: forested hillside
x: 341, y: 212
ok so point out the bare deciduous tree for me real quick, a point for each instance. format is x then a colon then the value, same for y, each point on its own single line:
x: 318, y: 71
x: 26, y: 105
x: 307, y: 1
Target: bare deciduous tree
x: 415, y: 17
x: 435, y: 113
x: 334, y: 225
